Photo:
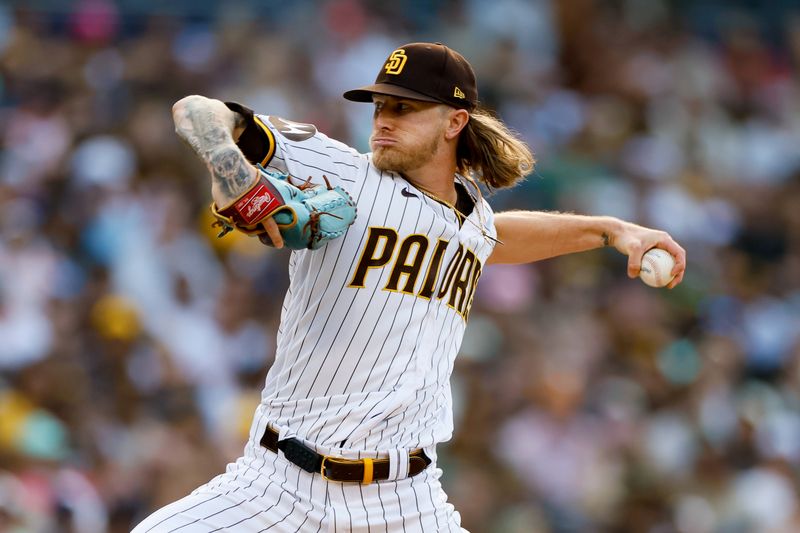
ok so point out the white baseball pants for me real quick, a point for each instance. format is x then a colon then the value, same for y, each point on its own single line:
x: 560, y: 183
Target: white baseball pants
x: 265, y: 492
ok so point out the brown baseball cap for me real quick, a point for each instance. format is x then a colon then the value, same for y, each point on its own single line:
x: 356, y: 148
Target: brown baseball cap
x: 424, y: 71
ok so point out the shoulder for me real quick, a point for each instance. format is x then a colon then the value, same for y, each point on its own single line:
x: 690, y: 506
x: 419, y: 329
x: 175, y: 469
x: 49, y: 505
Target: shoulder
x: 290, y: 132
x: 301, y: 150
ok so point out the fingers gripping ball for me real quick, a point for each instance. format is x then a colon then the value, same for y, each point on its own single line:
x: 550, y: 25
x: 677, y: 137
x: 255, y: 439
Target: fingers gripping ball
x: 308, y: 216
x: 657, y: 265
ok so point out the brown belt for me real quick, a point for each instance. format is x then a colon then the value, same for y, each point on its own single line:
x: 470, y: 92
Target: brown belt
x: 335, y: 468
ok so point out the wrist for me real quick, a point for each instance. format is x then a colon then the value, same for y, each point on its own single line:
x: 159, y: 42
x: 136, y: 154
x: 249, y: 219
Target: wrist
x: 231, y: 175
x: 610, y: 229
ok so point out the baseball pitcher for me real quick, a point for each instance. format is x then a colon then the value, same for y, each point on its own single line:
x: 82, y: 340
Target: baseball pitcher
x: 387, y: 250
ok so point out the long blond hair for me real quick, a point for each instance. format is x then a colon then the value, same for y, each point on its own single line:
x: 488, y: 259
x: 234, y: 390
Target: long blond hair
x: 491, y: 152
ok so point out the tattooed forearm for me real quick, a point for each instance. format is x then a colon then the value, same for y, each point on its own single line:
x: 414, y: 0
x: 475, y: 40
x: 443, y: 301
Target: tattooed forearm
x: 202, y: 126
x: 231, y: 173
x: 206, y: 126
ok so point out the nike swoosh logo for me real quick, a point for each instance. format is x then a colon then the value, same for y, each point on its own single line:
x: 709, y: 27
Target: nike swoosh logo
x: 408, y: 194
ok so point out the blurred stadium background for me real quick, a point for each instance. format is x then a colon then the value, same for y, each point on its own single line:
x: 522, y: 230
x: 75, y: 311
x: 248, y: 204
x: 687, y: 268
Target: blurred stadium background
x: 133, y: 344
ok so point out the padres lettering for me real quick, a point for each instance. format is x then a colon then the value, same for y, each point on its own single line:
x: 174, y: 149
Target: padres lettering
x: 396, y: 62
x: 460, y: 277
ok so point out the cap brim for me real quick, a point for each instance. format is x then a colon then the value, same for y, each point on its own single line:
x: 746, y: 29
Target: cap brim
x: 364, y: 94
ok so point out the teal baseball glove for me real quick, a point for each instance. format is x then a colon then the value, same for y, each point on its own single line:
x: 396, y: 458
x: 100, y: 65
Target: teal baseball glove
x: 308, y: 216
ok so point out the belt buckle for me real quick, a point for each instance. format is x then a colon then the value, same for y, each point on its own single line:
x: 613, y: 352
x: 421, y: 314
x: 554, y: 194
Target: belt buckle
x: 322, y: 469
x: 367, y: 477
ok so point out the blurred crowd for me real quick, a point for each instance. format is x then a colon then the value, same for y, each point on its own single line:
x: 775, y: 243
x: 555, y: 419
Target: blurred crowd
x: 134, y: 344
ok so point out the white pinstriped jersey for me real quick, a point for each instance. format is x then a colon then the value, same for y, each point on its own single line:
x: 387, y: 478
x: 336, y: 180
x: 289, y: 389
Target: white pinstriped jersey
x: 372, y: 322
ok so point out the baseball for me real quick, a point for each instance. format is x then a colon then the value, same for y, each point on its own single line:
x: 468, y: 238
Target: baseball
x: 656, y: 268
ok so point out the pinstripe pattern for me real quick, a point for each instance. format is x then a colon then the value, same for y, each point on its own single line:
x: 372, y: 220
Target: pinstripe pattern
x: 385, y: 369
x: 415, y: 504
x: 361, y: 369
x: 283, y: 498
x: 287, y: 499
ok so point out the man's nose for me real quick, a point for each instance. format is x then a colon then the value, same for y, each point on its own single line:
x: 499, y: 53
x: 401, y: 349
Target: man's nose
x: 382, y: 121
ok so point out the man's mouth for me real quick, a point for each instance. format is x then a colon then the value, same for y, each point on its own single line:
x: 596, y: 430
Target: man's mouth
x: 383, y: 141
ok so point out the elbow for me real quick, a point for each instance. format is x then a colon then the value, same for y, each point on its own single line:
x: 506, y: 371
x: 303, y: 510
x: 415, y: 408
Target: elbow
x: 188, y: 104
x: 180, y: 108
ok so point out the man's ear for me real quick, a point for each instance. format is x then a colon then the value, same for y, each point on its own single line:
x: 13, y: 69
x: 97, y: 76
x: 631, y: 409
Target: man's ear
x: 457, y: 121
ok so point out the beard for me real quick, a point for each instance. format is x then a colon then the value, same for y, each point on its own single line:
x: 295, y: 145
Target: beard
x: 406, y: 157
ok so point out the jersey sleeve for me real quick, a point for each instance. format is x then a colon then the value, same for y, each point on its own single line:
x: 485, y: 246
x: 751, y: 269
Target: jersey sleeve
x: 256, y: 142
x: 299, y: 150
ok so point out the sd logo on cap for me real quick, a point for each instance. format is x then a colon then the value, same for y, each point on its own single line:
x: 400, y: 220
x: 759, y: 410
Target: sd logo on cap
x: 424, y: 71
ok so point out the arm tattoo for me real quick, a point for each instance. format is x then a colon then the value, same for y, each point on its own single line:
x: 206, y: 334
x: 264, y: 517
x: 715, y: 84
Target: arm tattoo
x: 231, y: 172
x: 202, y: 129
x: 208, y: 133
x: 606, y: 239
